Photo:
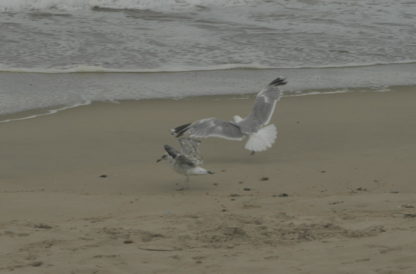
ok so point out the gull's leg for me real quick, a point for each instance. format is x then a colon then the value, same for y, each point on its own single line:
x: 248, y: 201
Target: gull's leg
x: 164, y: 156
x: 252, y: 153
x: 180, y: 188
x: 185, y: 184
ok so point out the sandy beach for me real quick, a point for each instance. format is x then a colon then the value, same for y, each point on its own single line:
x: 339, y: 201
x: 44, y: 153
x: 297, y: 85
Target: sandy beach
x: 81, y: 192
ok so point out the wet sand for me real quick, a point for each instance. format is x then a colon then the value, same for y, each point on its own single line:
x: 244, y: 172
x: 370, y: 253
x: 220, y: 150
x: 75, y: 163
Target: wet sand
x: 80, y: 191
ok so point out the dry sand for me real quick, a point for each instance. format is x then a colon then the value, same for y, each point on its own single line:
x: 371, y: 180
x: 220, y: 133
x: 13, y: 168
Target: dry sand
x: 80, y: 191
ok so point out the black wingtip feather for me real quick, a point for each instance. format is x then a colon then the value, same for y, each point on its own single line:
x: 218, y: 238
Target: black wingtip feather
x: 180, y: 130
x: 279, y: 81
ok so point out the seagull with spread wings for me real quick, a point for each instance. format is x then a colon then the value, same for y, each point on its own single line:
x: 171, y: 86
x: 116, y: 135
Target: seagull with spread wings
x: 261, y: 136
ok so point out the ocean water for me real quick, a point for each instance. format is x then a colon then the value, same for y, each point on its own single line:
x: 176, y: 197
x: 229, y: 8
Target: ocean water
x: 65, y: 53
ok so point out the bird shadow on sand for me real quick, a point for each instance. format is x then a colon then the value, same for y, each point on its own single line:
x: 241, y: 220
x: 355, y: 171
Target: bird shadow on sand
x: 239, y: 159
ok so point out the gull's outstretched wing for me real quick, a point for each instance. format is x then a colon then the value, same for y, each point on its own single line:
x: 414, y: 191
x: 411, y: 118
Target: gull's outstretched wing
x: 212, y: 127
x: 190, y: 148
x: 178, y: 157
x: 263, y: 107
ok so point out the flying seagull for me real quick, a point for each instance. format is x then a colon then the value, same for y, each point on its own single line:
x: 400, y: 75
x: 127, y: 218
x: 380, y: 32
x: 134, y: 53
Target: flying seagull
x: 188, y: 161
x: 261, y: 136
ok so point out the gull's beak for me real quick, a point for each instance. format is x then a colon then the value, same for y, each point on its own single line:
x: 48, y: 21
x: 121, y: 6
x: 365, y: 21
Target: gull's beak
x: 161, y: 158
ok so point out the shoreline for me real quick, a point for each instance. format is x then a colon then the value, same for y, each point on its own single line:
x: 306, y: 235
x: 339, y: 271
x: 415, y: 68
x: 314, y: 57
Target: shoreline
x: 23, y: 91
x: 39, y: 112
x: 336, y: 191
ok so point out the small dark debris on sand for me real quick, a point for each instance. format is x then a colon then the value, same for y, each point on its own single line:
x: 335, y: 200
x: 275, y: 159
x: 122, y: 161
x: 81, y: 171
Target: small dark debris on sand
x: 264, y: 179
x: 361, y: 189
x: 128, y: 242
x: 241, y: 182
x: 247, y: 189
x: 36, y: 264
x: 409, y: 215
x: 323, y: 171
x: 281, y: 195
x: 42, y: 226
x: 336, y: 202
x: 103, y: 176
x: 394, y: 192
x: 234, y: 195
x: 215, y: 184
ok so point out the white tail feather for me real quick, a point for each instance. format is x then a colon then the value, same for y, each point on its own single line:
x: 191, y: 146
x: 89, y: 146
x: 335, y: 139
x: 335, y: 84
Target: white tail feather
x: 262, y: 139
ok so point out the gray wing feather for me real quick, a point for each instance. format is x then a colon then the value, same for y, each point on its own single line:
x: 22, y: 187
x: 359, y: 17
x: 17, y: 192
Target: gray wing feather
x: 185, y: 161
x: 212, y: 127
x: 178, y: 158
x: 190, y: 148
x: 263, y: 108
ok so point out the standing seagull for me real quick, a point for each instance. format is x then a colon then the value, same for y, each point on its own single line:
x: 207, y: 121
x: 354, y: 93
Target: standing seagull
x: 260, y: 136
x: 186, y: 162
